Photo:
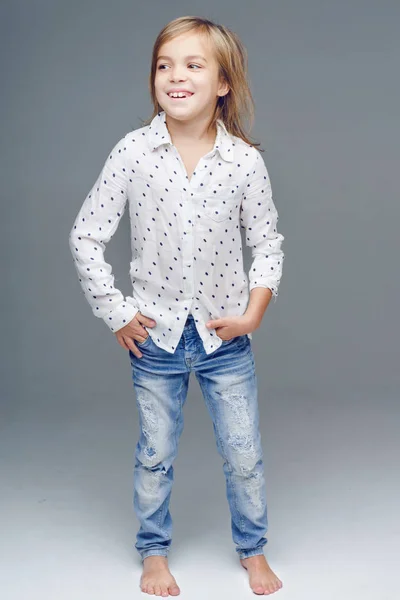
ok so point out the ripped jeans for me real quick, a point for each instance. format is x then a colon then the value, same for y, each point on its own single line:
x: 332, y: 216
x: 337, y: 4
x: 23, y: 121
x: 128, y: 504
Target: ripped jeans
x: 228, y: 382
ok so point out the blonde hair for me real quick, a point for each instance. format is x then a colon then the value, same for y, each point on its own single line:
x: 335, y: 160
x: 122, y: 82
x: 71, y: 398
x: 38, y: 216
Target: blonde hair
x: 231, y: 55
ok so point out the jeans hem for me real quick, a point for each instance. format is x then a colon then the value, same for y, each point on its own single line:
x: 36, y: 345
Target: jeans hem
x: 248, y: 553
x: 159, y: 552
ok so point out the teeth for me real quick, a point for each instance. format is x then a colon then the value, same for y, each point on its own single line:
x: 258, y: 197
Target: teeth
x: 178, y: 95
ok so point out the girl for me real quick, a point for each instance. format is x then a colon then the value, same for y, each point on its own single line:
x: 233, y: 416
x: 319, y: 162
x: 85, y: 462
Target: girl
x: 192, y: 180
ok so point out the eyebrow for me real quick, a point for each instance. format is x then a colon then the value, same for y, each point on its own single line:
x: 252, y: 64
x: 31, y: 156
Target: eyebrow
x: 186, y: 57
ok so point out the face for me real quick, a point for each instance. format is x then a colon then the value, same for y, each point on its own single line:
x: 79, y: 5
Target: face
x: 187, y: 63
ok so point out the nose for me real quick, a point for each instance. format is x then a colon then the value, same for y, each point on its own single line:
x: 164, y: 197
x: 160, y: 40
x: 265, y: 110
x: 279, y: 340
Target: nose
x: 177, y: 73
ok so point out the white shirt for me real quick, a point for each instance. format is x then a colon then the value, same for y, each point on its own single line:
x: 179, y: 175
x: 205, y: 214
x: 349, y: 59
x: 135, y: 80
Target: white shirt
x: 185, y: 235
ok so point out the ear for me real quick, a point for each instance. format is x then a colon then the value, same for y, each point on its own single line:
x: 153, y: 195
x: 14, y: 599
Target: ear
x: 223, y: 88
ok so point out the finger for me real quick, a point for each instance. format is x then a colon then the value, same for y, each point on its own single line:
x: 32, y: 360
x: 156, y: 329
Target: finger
x: 136, y: 351
x: 215, y: 323
x: 146, y: 320
x: 132, y: 346
x: 121, y: 342
x: 130, y: 335
x: 142, y: 331
x: 129, y: 342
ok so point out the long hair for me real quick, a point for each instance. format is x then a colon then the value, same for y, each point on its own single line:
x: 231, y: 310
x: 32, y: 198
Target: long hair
x: 238, y: 104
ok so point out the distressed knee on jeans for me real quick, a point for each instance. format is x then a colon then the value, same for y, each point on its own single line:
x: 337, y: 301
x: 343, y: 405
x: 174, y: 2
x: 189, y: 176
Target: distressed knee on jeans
x: 149, y: 426
x: 240, y: 436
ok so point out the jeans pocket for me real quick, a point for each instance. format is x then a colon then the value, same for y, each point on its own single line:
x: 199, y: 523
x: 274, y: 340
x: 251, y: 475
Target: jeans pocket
x: 236, y: 339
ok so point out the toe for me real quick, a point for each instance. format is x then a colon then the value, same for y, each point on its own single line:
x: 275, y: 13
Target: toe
x: 269, y: 589
x: 274, y: 587
x: 157, y: 590
x: 174, y: 590
x: 150, y: 589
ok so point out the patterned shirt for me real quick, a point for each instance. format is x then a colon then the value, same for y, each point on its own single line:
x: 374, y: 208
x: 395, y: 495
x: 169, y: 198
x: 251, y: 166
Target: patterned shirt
x: 185, y: 234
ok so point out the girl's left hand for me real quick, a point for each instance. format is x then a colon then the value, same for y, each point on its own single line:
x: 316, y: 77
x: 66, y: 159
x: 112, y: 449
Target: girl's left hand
x: 227, y: 328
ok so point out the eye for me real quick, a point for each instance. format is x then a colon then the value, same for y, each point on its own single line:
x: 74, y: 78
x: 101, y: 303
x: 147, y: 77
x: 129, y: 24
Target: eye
x: 191, y: 65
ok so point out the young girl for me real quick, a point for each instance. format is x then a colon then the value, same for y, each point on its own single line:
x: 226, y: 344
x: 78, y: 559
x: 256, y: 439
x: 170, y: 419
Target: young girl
x: 192, y: 180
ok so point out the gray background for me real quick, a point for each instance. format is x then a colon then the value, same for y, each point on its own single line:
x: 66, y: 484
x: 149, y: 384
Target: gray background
x: 325, y: 82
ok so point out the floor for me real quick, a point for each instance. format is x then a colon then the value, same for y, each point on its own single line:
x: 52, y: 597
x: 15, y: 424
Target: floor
x: 68, y: 526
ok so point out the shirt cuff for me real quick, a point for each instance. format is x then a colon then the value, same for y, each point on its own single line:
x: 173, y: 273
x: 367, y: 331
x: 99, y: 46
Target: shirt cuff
x: 122, y: 314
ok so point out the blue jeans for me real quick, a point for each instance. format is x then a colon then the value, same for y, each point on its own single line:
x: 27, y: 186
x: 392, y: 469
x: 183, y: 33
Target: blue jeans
x: 228, y: 382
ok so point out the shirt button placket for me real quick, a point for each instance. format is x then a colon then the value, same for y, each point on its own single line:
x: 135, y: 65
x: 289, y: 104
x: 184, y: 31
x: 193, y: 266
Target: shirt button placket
x: 187, y: 237
x: 187, y: 250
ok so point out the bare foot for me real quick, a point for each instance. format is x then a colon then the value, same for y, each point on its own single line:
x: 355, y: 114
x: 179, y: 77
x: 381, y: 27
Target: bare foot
x: 262, y: 579
x: 156, y: 577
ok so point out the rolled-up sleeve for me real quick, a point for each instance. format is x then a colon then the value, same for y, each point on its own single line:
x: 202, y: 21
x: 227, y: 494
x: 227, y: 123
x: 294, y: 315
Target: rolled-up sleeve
x: 94, y: 226
x: 259, y: 217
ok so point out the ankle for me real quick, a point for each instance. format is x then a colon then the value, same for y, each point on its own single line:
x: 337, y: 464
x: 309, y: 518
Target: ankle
x: 155, y: 558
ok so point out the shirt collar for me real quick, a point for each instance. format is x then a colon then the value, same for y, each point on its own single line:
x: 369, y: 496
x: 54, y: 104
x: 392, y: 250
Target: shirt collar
x: 158, y: 134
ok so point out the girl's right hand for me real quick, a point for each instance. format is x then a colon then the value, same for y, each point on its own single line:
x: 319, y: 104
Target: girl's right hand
x: 134, y: 331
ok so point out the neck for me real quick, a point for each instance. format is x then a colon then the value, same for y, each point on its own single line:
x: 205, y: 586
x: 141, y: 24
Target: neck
x: 196, y: 131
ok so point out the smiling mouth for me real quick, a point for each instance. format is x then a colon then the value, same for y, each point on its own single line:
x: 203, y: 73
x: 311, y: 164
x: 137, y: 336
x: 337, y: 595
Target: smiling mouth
x: 185, y: 97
